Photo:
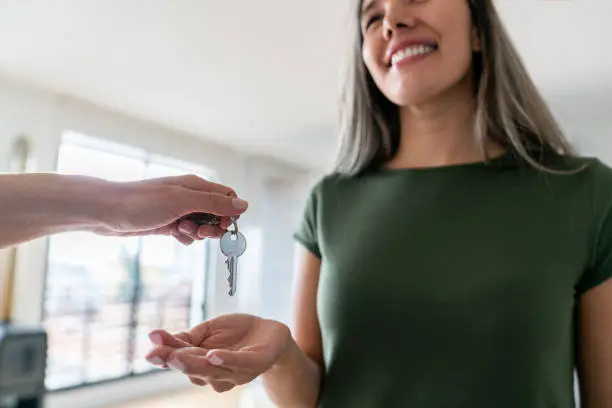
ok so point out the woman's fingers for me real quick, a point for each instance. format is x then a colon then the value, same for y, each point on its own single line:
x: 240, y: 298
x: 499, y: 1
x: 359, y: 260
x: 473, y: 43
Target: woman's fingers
x: 156, y: 360
x: 238, y: 360
x: 163, y: 338
x: 185, y: 337
x: 218, y: 386
x: 197, y: 381
x: 192, y: 361
x: 221, y: 386
x: 160, y: 355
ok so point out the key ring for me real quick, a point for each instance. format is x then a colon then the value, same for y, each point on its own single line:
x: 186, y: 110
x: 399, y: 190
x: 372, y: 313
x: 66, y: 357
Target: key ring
x: 235, y: 224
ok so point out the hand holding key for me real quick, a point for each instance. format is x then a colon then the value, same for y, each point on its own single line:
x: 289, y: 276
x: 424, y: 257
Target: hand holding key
x: 187, y: 207
x: 223, y: 352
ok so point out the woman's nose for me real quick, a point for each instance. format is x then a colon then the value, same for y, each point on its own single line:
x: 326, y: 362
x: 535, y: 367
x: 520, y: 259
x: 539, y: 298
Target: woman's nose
x: 398, y: 16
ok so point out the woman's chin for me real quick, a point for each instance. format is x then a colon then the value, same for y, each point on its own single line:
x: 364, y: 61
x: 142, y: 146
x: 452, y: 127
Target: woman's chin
x: 412, y: 98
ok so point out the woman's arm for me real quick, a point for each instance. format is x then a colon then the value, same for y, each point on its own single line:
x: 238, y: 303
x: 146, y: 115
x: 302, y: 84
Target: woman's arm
x: 295, y: 381
x: 595, y: 350
x: 34, y: 205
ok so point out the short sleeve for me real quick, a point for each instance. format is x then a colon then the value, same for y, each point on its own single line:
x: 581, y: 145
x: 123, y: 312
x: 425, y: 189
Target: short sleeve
x: 307, y: 232
x: 600, y: 267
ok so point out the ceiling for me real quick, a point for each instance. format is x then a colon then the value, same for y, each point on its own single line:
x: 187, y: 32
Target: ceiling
x: 261, y: 76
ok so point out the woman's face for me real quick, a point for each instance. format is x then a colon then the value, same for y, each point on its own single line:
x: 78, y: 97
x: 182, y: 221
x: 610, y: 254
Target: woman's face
x: 417, y: 49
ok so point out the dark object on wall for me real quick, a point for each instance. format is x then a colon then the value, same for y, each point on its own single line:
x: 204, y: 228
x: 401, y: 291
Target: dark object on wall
x: 23, y: 361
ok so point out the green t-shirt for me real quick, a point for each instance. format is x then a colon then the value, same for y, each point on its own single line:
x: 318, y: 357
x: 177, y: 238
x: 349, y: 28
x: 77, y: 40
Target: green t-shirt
x: 456, y: 286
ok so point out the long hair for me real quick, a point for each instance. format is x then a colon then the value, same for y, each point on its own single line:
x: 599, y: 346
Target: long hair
x: 509, y: 108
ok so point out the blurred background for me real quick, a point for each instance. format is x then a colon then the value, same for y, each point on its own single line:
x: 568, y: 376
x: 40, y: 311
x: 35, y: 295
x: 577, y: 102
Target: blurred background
x: 240, y: 92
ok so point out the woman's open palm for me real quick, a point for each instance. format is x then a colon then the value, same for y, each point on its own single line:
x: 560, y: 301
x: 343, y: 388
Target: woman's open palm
x: 224, y: 352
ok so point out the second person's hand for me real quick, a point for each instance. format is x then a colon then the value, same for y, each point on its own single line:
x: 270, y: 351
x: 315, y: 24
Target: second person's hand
x: 223, y: 352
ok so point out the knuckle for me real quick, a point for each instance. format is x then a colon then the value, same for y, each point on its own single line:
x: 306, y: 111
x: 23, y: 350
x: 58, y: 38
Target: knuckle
x: 164, y: 192
x: 217, y: 201
x: 192, y: 178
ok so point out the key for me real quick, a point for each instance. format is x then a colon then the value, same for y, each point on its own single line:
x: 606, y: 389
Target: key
x: 233, y: 244
x: 202, y: 218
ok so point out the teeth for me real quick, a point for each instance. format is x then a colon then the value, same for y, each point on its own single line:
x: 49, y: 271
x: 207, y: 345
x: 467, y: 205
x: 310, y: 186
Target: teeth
x: 411, y: 52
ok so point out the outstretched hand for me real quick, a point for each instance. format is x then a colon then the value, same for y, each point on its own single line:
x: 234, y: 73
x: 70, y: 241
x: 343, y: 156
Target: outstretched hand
x: 156, y: 206
x: 34, y: 205
x: 223, y: 352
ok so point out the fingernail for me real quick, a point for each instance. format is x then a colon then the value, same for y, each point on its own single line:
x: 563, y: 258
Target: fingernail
x: 215, y: 360
x: 177, y: 365
x: 155, y: 361
x: 156, y: 339
x: 239, y: 204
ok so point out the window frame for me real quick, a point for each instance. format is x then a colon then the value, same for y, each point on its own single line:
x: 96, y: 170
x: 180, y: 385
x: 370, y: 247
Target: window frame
x: 198, y: 306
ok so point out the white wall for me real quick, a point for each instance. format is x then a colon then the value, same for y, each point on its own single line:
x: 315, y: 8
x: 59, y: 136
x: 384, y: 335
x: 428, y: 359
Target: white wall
x: 593, y: 137
x: 274, y: 190
x: 584, y: 115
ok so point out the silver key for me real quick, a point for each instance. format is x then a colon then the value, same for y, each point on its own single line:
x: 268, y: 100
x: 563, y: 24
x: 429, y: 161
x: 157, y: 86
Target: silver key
x: 233, y: 244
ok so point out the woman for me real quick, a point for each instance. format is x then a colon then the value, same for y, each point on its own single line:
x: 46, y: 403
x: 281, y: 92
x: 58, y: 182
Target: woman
x: 458, y: 257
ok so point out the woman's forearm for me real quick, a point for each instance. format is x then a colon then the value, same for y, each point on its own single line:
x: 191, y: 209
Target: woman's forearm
x: 34, y: 205
x: 295, y: 381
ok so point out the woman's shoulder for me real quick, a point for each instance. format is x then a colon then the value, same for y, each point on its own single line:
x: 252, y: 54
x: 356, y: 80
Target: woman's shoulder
x: 585, y: 167
x: 588, y: 176
x: 332, y: 180
x: 599, y: 174
x: 594, y: 169
x: 599, y: 169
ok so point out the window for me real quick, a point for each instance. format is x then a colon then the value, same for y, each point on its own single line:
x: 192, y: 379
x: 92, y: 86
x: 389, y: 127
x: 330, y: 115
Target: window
x: 103, y: 295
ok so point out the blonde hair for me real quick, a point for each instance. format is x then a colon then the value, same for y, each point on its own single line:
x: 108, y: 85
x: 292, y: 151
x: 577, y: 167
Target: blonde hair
x: 510, y: 109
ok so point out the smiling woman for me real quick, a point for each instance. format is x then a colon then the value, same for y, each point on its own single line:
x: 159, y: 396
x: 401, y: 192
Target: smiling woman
x: 460, y: 254
x: 446, y: 54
